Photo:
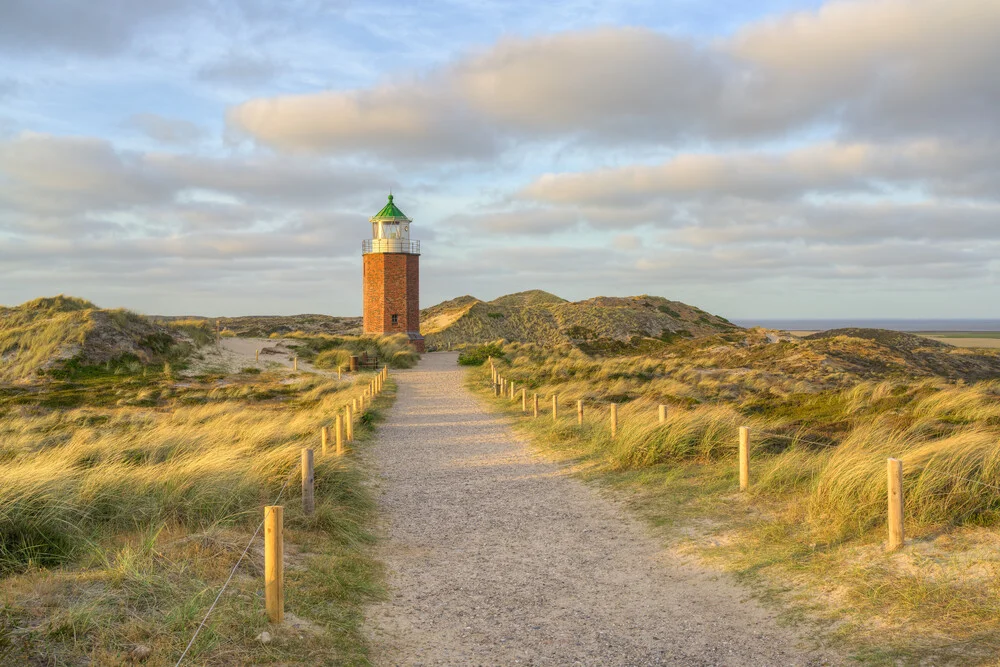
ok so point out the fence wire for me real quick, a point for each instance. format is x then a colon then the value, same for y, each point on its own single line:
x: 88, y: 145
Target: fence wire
x: 232, y: 572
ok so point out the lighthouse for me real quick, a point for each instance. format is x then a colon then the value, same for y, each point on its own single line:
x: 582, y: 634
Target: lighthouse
x: 391, y: 277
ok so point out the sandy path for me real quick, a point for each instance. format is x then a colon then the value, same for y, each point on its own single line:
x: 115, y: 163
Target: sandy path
x: 498, y: 558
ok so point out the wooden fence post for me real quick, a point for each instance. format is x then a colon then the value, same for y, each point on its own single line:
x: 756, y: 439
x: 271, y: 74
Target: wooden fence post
x: 308, y: 479
x: 895, y: 471
x: 274, y: 565
x: 555, y: 407
x: 354, y: 405
x: 340, y: 371
x: 256, y: 356
x: 614, y: 420
x: 349, y: 423
x: 524, y: 399
x: 535, y: 400
x: 663, y: 414
x: 295, y: 363
x: 324, y: 438
x: 512, y: 391
x: 744, y: 458
x: 339, y: 437
x: 579, y: 413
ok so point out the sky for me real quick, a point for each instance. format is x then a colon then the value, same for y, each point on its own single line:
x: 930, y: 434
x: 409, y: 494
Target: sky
x: 769, y: 159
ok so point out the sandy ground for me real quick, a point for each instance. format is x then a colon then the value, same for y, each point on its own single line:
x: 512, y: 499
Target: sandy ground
x: 497, y: 557
x: 233, y: 354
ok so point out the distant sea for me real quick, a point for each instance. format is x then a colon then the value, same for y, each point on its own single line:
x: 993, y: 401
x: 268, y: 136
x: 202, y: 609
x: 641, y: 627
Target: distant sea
x: 898, y: 325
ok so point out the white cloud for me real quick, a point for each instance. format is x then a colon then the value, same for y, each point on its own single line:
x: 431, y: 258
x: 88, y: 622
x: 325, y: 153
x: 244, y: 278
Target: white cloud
x: 880, y: 68
x: 411, y: 122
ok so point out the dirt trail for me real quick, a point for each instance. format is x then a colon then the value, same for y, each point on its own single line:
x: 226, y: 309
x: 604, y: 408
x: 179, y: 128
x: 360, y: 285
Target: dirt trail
x: 497, y: 557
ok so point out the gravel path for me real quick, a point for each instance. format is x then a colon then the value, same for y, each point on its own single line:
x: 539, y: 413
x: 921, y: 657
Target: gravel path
x: 497, y: 557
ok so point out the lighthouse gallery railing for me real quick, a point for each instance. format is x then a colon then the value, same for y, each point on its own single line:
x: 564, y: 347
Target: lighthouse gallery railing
x: 390, y: 245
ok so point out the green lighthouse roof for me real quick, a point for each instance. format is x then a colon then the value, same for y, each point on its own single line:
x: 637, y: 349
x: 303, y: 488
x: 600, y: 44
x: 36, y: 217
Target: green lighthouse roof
x: 390, y: 213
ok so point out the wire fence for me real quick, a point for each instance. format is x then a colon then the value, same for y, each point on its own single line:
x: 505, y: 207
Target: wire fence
x: 374, y: 388
x: 232, y: 572
x: 923, y: 474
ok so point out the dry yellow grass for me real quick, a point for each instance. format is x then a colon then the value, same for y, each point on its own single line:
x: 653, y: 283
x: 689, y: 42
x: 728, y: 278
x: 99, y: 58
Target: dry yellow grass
x: 811, y: 530
x: 119, y: 523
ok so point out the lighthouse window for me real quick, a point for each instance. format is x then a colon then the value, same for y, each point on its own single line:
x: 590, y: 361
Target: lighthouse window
x: 395, y: 319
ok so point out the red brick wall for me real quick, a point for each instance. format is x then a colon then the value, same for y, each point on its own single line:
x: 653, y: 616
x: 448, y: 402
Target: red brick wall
x: 391, y: 284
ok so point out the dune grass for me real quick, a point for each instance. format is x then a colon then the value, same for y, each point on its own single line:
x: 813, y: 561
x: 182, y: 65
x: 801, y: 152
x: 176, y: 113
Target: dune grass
x: 810, y: 532
x: 328, y: 352
x: 123, y: 510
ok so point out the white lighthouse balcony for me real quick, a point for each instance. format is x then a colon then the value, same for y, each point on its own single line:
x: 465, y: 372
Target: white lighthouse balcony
x: 405, y: 246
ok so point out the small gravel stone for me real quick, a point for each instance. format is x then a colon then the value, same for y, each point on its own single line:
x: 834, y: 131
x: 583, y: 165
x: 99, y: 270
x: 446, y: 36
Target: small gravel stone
x: 264, y: 637
x: 499, y: 557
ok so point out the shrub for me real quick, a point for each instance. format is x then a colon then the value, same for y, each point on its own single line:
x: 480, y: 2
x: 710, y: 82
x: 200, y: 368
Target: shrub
x: 331, y: 359
x: 477, y: 356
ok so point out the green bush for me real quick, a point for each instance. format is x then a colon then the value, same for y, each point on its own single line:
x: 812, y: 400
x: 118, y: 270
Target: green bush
x: 331, y: 359
x: 477, y: 356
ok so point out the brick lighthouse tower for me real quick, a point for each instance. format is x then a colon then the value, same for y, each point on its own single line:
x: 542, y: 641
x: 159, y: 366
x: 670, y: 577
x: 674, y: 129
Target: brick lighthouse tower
x: 392, y: 277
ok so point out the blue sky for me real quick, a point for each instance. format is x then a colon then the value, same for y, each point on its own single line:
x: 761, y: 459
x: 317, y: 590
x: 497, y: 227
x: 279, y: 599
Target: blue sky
x: 767, y: 159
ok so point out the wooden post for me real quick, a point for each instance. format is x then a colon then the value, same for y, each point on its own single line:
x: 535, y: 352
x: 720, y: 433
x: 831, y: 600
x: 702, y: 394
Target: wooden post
x: 579, y: 413
x: 555, y: 407
x: 295, y: 363
x: 744, y: 458
x: 524, y: 399
x: 535, y: 400
x: 496, y: 388
x: 663, y: 414
x: 895, y: 471
x: 512, y: 391
x: 325, y: 438
x: 349, y: 423
x: 257, y: 355
x: 614, y: 420
x: 339, y: 437
x: 308, y: 478
x: 354, y: 405
x: 340, y: 371
x: 274, y: 565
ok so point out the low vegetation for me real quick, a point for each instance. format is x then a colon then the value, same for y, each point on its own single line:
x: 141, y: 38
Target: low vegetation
x: 824, y: 415
x: 56, y: 335
x: 605, y: 325
x: 330, y: 352
x: 128, y: 492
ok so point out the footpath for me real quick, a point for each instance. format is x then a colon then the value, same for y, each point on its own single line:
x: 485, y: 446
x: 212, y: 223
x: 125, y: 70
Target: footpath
x: 498, y: 557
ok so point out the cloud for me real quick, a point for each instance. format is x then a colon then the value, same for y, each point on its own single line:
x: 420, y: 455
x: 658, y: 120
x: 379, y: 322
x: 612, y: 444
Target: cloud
x: 83, y: 207
x: 410, y: 122
x: 767, y: 175
x: 95, y: 27
x: 47, y: 175
x: 44, y: 174
x: 883, y: 68
x: 166, y: 130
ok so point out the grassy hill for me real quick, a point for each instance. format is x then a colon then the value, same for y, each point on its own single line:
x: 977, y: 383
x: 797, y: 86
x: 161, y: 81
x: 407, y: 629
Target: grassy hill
x: 598, y: 325
x: 52, y: 334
